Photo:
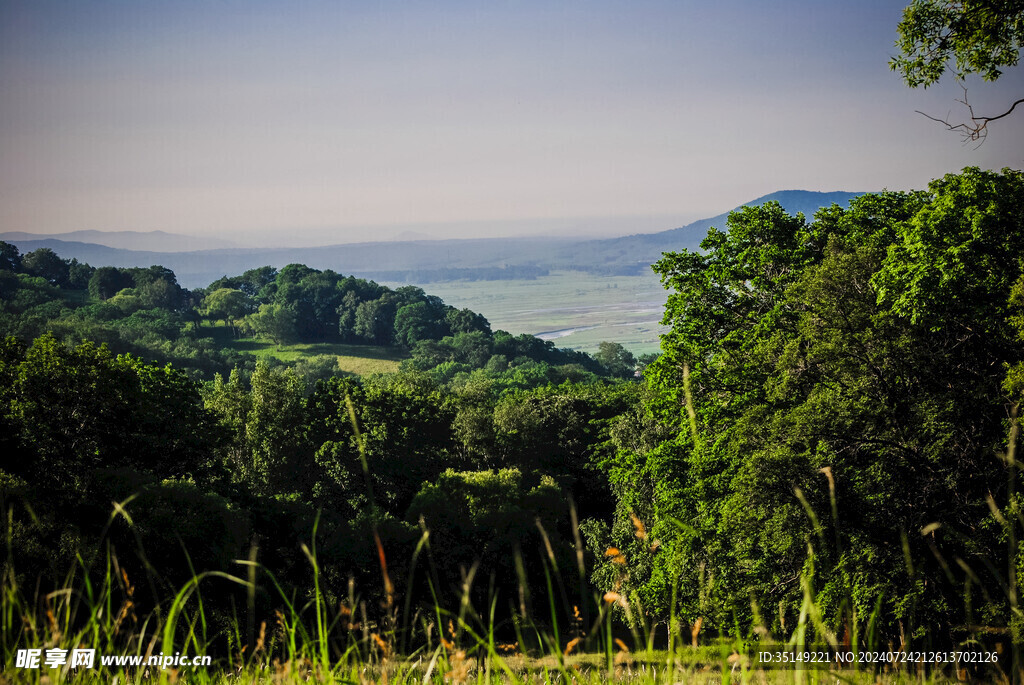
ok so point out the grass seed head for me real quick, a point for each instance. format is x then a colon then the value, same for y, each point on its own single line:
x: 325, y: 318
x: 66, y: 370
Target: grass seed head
x: 128, y: 587
x: 261, y: 641
x: 615, y: 556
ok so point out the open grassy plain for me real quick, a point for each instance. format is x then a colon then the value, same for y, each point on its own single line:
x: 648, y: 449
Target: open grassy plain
x: 575, y: 309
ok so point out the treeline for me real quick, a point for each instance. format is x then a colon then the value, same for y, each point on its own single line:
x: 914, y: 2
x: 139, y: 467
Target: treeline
x: 300, y: 303
x: 146, y: 312
x: 133, y: 310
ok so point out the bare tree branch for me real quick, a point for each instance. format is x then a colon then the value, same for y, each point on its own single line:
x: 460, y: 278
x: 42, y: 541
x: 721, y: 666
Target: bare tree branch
x: 988, y: 119
x: 976, y: 130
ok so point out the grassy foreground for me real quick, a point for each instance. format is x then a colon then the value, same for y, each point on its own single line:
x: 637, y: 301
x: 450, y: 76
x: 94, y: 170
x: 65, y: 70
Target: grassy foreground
x: 314, y: 639
x: 313, y: 643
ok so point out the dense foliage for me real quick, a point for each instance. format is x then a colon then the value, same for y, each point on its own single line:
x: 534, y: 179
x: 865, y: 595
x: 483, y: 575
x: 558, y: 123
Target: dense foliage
x: 141, y: 311
x: 832, y: 419
x: 967, y: 37
x: 257, y: 457
x: 230, y: 466
x: 839, y: 395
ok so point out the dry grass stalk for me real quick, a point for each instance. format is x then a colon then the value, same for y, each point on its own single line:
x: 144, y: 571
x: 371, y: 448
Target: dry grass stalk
x: 460, y: 669
x: 641, y: 530
x: 262, y: 639
x: 382, y: 645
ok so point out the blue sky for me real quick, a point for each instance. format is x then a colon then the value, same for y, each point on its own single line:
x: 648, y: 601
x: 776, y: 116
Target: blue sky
x: 308, y: 122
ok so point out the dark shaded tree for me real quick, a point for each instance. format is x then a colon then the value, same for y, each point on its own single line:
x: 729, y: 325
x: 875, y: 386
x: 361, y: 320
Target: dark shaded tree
x: 10, y: 257
x: 107, y: 281
x: 45, y: 263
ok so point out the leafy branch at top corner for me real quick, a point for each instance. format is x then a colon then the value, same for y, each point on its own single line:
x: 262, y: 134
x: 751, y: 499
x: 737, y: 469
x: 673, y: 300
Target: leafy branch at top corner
x: 965, y: 37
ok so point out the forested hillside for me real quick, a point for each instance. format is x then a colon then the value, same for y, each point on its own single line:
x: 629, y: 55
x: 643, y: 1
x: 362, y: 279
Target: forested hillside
x: 146, y: 312
x: 827, y: 441
x: 265, y: 451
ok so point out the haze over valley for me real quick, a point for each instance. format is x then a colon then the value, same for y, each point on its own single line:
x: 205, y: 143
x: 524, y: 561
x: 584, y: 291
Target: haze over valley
x: 578, y: 292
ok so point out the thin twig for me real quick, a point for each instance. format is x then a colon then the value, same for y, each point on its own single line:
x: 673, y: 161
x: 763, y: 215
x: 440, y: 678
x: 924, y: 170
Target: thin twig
x: 977, y: 129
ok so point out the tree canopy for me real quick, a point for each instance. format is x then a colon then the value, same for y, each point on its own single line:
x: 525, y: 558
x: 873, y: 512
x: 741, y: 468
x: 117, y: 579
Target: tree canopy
x: 835, y: 387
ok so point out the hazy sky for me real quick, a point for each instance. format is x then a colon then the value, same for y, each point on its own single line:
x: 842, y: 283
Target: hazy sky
x: 338, y: 121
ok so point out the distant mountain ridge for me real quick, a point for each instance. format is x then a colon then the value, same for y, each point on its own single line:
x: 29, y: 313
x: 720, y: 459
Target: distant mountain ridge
x: 423, y: 261
x: 805, y: 202
x: 630, y: 253
x: 155, y: 241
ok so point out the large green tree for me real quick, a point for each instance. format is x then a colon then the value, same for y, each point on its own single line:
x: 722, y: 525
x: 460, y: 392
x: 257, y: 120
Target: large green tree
x: 276, y: 322
x: 837, y: 387
x: 227, y: 304
x: 10, y: 257
x: 45, y: 263
x: 107, y: 281
x: 275, y: 433
x: 616, y: 359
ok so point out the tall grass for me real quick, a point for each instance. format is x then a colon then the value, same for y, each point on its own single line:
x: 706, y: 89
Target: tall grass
x: 308, y: 638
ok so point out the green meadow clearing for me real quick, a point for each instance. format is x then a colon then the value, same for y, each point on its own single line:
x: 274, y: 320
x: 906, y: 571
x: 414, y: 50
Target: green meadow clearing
x: 358, y: 360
